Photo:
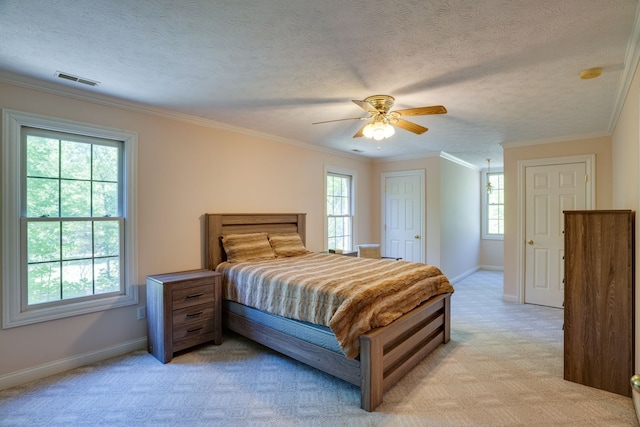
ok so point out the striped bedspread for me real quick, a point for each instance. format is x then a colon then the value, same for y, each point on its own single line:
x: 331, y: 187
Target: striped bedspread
x: 349, y: 295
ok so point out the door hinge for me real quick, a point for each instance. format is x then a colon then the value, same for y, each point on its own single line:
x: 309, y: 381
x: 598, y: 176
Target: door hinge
x: 586, y: 178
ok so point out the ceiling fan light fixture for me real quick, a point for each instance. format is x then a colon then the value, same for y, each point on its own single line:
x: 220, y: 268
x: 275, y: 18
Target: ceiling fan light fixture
x: 378, y: 130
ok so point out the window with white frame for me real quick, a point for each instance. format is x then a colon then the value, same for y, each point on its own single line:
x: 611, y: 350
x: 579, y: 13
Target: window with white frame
x: 69, y: 217
x: 493, y: 205
x: 339, y: 200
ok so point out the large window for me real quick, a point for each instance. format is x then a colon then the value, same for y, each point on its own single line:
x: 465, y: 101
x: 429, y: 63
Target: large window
x: 493, y: 206
x: 68, y: 209
x: 339, y: 199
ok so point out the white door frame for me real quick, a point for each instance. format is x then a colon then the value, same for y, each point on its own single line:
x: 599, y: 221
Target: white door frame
x: 589, y: 160
x: 383, y: 198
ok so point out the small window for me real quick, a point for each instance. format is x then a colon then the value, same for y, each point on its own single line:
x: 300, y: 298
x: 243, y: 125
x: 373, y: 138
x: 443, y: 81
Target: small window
x: 339, y: 200
x: 69, y: 217
x: 493, y: 206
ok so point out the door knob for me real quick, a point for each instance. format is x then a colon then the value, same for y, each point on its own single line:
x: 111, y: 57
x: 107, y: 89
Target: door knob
x: 530, y: 242
x: 417, y: 236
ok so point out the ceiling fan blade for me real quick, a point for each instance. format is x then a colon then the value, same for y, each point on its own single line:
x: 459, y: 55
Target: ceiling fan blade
x: 359, y: 133
x: 411, y: 127
x: 422, y: 111
x: 341, y: 120
x: 365, y: 106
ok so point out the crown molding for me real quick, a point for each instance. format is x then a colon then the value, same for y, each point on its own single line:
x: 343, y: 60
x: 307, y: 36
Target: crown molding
x: 429, y: 155
x: 461, y: 162
x: 566, y: 138
x: 631, y: 62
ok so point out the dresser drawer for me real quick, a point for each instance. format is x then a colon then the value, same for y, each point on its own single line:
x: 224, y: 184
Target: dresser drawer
x: 191, y: 296
x: 193, y: 314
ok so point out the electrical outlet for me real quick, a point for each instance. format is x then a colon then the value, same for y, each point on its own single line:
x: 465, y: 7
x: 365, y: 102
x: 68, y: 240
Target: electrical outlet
x: 142, y: 312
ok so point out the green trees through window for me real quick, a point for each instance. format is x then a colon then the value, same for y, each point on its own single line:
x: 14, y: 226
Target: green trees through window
x: 339, y: 215
x: 72, y: 216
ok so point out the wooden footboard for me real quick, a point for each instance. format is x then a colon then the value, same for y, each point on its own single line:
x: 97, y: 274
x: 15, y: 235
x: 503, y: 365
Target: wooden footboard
x: 386, y: 354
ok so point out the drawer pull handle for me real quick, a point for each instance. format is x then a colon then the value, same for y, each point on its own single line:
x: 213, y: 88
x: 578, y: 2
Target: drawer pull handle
x: 194, y: 314
x: 195, y: 295
x: 194, y: 329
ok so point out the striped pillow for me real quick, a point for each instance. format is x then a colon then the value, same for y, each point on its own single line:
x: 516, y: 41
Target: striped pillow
x: 287, y: 244
x: 244, y: 247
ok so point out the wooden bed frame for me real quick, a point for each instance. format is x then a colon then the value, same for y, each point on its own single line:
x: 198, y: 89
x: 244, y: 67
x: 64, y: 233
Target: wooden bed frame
x: 386, y: 354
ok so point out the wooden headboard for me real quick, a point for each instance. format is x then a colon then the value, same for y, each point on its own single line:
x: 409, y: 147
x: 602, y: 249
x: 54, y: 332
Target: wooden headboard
x: 218, y: 224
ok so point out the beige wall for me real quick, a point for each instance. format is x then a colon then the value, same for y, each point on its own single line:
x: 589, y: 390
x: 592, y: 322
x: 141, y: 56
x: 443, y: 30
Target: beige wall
x: 460, y: 223
x: 492, y: 254
x: 601, y: 147
x: 626, y: 157
x: 184, y: 171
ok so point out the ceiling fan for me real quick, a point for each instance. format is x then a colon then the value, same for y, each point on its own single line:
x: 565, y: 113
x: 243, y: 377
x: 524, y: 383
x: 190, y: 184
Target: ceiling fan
x: 381, y: 126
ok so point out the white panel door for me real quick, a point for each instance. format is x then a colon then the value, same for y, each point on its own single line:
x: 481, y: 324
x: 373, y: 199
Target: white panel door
x: 403, y: 217
x: 550, y: 190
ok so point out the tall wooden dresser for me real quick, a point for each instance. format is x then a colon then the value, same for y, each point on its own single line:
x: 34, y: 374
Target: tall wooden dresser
x: 599, y: 299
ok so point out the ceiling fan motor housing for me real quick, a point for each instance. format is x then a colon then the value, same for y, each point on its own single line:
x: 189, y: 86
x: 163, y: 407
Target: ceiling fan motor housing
x: 382, y: 103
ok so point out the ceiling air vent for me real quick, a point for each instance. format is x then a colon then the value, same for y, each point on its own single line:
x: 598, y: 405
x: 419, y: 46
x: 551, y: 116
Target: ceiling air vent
x: 77, y: 79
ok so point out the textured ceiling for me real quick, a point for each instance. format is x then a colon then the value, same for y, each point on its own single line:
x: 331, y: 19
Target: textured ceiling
x: 506, y: 70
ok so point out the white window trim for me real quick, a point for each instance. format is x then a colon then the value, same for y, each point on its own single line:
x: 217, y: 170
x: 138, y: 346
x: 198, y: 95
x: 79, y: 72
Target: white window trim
x: 353, y: 174
x: 12, y: 315
x: 485, y: 200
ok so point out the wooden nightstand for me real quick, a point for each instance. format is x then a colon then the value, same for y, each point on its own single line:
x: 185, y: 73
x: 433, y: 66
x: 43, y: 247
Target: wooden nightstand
x: 183, y: 310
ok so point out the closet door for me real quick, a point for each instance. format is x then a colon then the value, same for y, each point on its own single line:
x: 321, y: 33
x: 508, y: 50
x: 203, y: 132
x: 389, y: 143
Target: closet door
x: 599, y: 299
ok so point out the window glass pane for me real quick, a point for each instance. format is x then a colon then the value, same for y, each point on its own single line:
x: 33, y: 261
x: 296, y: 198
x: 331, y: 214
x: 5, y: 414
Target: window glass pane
x: 339, y: 231
x: 75, y: 160
x: 75, y: 198
x: 105, y: 163
x: 43, y: 241
x: 331, y: 244
x: 43, y: 283
x: 77, y: 239
x: 42, y: 157
x: 42, y: 197
x: 107, y: 275
x: 77, y: 278
x: 106, y: 238
x: 493, y: 212
x: 105, y: 199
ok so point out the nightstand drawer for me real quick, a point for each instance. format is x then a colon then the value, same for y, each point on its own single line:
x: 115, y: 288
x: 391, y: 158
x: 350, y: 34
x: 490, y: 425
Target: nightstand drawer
x: 192, y: 314
x: 195, y: 330
x: 191, y: 296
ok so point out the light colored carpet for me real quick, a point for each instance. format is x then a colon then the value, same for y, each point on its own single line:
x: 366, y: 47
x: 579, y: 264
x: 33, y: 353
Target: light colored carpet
x: 503, y: 367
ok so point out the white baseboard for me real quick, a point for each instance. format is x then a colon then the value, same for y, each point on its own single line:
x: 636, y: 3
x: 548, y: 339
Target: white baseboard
x: 492, y: 267
x: 463, y: 275
x: 31, y: 374
x: 474, y: 270
x: 510, y: 298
